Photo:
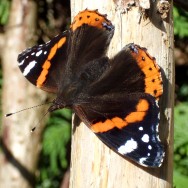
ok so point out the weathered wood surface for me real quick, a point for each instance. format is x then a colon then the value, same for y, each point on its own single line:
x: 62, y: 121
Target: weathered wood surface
x: 93, y: 165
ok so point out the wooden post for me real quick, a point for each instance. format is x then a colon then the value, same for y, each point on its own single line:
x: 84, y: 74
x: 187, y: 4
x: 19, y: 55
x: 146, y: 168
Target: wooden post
x: 93, y: 164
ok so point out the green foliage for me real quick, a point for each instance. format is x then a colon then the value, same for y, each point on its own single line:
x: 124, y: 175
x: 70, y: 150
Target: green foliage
x: 181, y: 145
x: 4, y: 11
x: 180, y: 181
x: 180, y: 22
x: 181, y: 111
x: 53, y: 161
x: 183, y: 92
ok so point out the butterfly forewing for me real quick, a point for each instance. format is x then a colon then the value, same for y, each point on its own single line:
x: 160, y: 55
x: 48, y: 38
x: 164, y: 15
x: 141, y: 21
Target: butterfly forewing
x: 43, y: 64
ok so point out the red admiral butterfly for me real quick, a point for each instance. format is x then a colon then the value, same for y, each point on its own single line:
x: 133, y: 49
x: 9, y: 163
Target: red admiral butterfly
x: 116, y: 98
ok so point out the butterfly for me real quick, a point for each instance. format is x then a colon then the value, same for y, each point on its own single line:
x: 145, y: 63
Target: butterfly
x: 117, y: 98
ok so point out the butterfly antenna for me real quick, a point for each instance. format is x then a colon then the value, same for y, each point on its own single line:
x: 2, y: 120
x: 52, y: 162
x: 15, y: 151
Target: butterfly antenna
x: 10, y: 114
x: 34, y: 128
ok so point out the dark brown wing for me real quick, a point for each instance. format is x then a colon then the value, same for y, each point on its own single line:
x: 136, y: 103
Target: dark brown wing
x: 123, y: 108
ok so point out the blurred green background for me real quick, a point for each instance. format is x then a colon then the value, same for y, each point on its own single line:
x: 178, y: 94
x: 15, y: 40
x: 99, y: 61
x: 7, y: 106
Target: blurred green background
x: 55, y: 155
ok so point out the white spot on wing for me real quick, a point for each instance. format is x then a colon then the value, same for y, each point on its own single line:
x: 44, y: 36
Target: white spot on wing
x: 29, y: 67
x: 33, y: 53
x: 141, y: 160
x: 145, y: 138
x: 128, y: 147
x: 21, y: 63
x: 162, y: 159
x: 141, y: 128
x: 38, y: 53
x: 157, y: 127
x: 149, y: 147
x: 158, y: 138
x: 157, y: 104
x: 45, y: 52
x: 158, y: 116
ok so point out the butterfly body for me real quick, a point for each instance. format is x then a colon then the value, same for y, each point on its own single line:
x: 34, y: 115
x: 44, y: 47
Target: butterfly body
x: 117, y: 98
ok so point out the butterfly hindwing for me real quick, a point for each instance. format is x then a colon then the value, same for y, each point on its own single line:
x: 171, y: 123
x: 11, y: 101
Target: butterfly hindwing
x: 91, y: 33
x: 84, y: 47
x: 130, y: 72
x: 153, y: 83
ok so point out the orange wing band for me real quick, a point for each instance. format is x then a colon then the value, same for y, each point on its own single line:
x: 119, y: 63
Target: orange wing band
x: 153, y: 78
x: 92, y: 18
x: 47, y: 64
x: 117, y: 122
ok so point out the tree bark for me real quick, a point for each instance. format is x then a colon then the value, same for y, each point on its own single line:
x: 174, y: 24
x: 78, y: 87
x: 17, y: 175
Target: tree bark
x: 20, y: 148
x: 92, y: 163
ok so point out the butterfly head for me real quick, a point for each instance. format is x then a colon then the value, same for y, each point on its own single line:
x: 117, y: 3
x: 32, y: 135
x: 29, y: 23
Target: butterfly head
x: 56, y: 105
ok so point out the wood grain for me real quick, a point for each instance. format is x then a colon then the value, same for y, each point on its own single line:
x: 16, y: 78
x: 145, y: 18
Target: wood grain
x: 94, y: 165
